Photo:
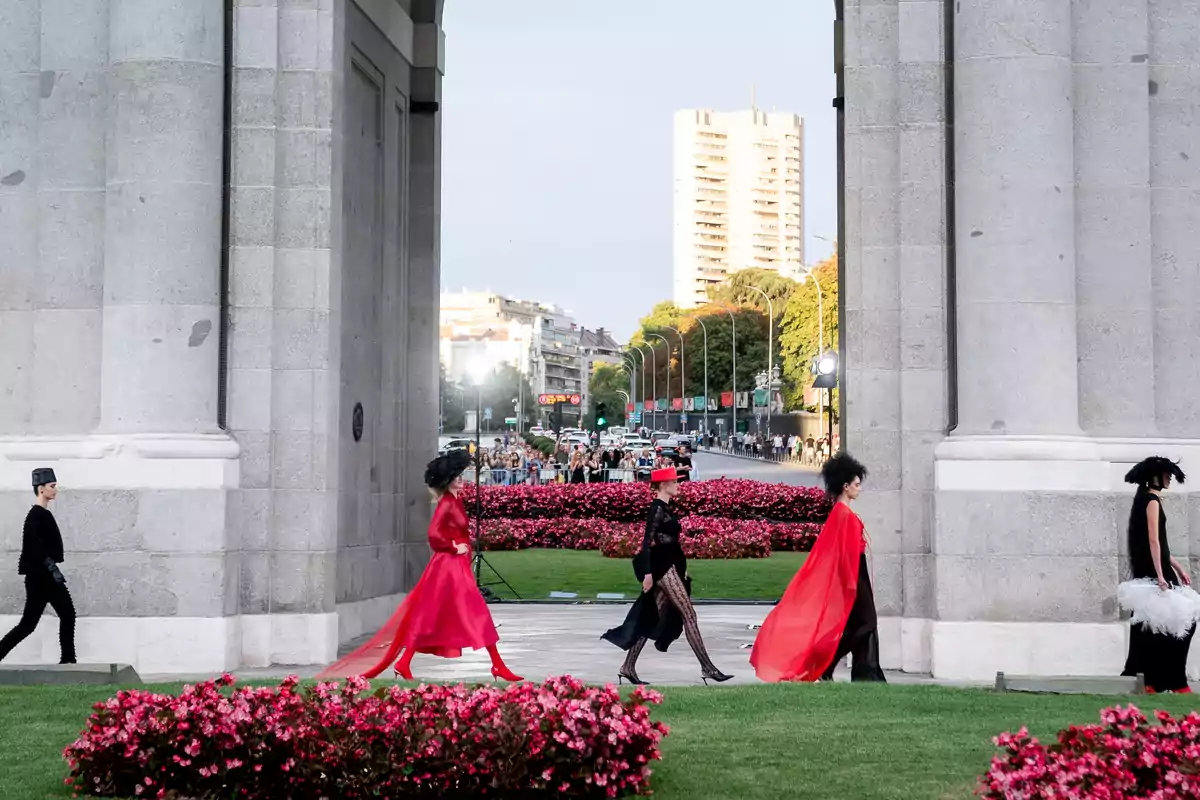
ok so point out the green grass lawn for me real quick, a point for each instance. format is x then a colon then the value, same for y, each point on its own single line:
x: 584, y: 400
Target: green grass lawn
x: 858, y: 742
x: 536, y: 573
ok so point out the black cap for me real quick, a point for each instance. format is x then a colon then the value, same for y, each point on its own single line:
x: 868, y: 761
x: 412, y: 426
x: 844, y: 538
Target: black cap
x: 42, y: 476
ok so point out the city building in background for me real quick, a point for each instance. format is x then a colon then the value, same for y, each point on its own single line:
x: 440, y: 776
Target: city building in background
x: 739, y: 197
x: 542, y: 341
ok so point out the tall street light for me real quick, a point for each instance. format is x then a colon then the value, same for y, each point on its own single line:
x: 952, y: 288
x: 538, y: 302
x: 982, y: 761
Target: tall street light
x: 733, y: 322
x: 704, y: 328
x: 631, y: 364
x: 668, y: 344
x: 811, y: 274
x: 641, y: 402
x: 478, y: 369
x: 653, y: 381
x: 770, y: 353
x: 682, y: 382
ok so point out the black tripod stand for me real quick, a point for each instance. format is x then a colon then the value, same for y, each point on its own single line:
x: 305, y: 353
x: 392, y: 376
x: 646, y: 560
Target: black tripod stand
x: 478, y: 560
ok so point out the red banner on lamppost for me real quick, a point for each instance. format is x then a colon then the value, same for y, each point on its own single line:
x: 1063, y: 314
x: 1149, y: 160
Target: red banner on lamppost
x: 726, y: 399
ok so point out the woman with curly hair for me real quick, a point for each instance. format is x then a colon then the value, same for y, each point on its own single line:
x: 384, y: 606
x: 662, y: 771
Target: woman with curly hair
x: 1155, y: 650
x: 828, y: 610
x: 444, y: 613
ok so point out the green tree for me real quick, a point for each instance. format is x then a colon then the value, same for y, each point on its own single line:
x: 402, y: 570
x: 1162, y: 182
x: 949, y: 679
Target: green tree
x: 737, y: 289
x: 801, y: 331
x: 504, y: 384
x: 602, y: 388
x: 454, y: 417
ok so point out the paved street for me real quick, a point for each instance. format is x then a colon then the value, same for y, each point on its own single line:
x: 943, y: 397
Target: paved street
x: 714, y: 465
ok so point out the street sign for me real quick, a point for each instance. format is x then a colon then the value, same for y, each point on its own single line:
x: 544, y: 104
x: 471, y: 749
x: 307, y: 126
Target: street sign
x: 683, y: 418
x: 487, y: 414
x: 510, y: 420
x: 635, y: 417
x: 555, y: 399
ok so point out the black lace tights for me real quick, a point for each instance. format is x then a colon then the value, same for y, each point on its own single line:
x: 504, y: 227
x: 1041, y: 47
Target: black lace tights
x: 670, y: 591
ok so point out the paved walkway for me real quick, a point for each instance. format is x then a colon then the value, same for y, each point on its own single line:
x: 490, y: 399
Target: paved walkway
x: 539, y: 641
x: 711, y: 464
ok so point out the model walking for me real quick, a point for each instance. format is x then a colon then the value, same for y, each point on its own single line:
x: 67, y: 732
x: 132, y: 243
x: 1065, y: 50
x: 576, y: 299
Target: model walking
x: 1156, y: 653
x: 828, y: 610
x: 444, y: 613
x: 665, y: 606
x: 41, y: 553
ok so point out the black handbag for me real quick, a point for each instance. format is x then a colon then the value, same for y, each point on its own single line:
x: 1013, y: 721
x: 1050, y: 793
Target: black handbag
x: 55, y: 572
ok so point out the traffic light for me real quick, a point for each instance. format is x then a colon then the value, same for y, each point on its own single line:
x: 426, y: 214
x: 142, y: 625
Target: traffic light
x: 601, y: 421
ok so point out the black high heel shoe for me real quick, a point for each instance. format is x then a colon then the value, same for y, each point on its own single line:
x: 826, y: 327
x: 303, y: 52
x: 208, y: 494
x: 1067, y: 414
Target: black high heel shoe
x: 715, y: 675
x: 634, y: 679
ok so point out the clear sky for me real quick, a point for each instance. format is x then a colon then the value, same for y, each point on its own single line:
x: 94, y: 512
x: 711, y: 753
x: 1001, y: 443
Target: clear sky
x: 557, y: 136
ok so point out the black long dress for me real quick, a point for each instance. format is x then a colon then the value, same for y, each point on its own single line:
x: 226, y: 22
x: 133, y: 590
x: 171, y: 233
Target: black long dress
x: 660, y: 551
x: 860, y: 637
x: 1159, y: 656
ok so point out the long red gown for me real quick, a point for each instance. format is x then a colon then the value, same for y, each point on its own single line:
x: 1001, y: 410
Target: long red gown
x: 442, y: 615
x: 800, y: 636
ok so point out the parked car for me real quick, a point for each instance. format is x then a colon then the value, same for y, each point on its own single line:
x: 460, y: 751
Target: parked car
x: 637, y: 444
x: 536, y: 431
x: 455, y: 444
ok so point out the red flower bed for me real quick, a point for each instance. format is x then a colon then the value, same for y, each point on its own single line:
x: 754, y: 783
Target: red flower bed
x: 627, y: 502
x: 1123, y: 758
x: 560, y: 739
x: 704, y: 537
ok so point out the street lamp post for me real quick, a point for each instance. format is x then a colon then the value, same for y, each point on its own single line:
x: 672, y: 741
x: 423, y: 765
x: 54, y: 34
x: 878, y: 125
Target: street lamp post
x: 631, y: 363
x: 683, y: 379
x: 653, y: 383
x: 668, y: 344
x: 704, y: 328
x: 642, y: 394
x: 820, y: 325
x: 770, y: 353
x: 733, y: 324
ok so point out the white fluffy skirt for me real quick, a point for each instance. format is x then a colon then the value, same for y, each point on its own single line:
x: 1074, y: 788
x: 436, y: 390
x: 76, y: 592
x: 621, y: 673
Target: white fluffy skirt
x: 1172, y: 612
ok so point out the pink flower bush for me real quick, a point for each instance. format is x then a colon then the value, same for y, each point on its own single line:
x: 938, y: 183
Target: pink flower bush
x: 1123, y: 758
x: 704, y: 537
x: 627, y: 502
x: 560, y: 739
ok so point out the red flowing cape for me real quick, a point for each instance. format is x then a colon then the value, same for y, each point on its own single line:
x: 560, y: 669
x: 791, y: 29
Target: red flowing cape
x: 442, y: 615
x: 800, y: 636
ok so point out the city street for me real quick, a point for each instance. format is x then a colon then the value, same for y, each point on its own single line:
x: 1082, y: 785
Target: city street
x: 715, y: 465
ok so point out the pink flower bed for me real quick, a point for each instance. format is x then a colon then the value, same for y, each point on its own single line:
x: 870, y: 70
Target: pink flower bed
x: 704, y: 537
x: 1123, y: 758
x: 560, y: 739
x: 627, y: 502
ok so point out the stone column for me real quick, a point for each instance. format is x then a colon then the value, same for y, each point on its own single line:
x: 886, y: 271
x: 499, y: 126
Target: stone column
x: 1015, y: 211
x: 20, y: 62
x: 1112, y: 218
x: 424, y: 279
x: 1172, y: 88
x: 161, y: 276
x: 68, y: 292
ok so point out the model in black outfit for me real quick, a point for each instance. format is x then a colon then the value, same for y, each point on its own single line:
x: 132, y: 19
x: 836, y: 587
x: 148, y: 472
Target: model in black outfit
x: 665, y: 606
x: 41, y: 553
x: 1160, y: 657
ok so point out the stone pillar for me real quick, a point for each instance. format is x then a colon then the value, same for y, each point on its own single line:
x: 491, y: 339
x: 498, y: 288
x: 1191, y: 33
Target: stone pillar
x: 424, y: 280
x: 20, y: 82
x: 1175, y: 189
x: 1015, y: 212
x: 1112, y: 218
x: 68, y: 292
x: 161, y: 276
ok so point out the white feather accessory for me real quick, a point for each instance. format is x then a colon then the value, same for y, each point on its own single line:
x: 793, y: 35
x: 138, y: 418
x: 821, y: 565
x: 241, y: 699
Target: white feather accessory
x: 1172, y: 612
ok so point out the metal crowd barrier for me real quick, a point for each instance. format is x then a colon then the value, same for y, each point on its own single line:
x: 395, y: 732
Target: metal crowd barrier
x: 556, y: 473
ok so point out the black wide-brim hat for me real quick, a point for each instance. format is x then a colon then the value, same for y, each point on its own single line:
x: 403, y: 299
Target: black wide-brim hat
x: 442, y: 471
x: 1153, y: 468
x: 42, y: 476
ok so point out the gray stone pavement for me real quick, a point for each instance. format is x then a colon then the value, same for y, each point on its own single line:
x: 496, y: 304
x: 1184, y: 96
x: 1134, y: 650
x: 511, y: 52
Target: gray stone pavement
x: 717, y: 465
x: 538, y: 641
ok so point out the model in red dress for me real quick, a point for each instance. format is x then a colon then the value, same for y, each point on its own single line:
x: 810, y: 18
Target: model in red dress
x: 444, y: 613
x: 828, y: 610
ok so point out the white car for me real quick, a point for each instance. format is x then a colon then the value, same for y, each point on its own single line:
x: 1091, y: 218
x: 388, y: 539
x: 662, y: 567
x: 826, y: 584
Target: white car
x: 537, y: 431
x: 456, y: 444
x: 637, y: 444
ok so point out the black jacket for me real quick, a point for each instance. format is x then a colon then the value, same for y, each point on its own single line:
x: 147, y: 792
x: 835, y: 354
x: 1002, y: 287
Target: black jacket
x: 40, y: 540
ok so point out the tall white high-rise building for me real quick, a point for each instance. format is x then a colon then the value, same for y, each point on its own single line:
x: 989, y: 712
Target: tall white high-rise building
x: 739, y: 197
